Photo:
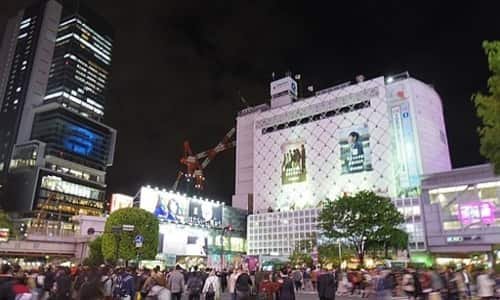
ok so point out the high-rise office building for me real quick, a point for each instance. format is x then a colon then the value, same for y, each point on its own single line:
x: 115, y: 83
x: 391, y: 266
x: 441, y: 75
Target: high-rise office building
x: 56, y: 64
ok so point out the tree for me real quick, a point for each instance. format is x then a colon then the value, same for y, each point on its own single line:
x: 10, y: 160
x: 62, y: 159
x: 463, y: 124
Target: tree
x: 95, y: 254
x: 359, y: 220
x: 302, y: 253
x: 488, y: 108
x: 145, y: 223
x: 6, y: 222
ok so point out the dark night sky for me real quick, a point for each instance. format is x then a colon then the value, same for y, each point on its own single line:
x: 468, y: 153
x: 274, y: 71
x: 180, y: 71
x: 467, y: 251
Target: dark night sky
x: 178, y: 64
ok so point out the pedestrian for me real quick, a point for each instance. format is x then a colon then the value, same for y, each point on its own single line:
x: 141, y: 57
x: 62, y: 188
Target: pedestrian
x: 297, y: 279
x: 175, y: 283
x: 20, y: 289
x: 158, y: 291
x: 485, y: 285
x: 62, y: 289
x: 6, y: 282
x: 125, y: 287
x: 195, y: 285
x: 327, y: 286
x: 231, y: 283
x: 212, y: 289
x: 107, y: 282
x: 286, y: 291
x: 307, y: 280
x: 48, y: 283
x: 243, y: 286
x: 92, y: 288
x: 314, y: 278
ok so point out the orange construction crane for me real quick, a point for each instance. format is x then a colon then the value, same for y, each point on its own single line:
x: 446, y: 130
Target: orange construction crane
x: 194, y: 165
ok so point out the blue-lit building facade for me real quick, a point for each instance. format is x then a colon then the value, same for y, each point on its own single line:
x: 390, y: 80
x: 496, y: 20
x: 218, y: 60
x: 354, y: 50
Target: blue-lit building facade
x: 59, y: 163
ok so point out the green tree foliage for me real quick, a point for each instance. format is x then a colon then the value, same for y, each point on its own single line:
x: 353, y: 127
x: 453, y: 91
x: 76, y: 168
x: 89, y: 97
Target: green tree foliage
x: 301, y: 254
x: 6, y: 222
x: 146, y: 224
x: 95, y: 253
x: 488, y: 107
x: 360, y: 220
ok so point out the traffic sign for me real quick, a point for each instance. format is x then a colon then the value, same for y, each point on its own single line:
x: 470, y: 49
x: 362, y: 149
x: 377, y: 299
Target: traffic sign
x: 139, y: 240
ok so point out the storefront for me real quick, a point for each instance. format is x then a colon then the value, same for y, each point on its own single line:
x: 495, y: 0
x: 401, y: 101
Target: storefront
x: 462, y: 223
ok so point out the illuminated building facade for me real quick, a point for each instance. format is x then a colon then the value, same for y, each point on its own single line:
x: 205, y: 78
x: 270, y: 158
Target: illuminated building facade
x: 59, y: 148
x: 380, y: 135
x: 460, y: 212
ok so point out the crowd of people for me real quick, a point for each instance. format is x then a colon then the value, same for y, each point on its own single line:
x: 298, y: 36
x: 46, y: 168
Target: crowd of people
x: 127, y: 283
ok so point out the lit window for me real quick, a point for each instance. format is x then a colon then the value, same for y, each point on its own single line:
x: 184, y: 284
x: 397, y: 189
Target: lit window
x: 18, y: 89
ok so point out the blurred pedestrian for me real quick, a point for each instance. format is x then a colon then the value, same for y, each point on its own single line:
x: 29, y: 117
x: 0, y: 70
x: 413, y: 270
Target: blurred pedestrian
x: 327, y: 286
x: 176, y: 283
x: 485, y: 285
x: 286, y: 291
x: 212, y: 288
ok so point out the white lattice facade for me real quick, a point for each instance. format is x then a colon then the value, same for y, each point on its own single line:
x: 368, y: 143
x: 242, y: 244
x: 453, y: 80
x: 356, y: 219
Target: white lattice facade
x: 366, y: 136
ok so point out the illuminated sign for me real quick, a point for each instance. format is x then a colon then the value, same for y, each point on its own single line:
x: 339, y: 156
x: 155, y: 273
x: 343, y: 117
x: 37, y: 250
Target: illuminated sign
x: 476, y: 212
x: 119, y: 201
x: 4, y: 234
x: 81, y: 140
x: 177, y: 208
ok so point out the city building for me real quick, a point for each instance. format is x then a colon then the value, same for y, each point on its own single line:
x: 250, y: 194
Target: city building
x: 191, y: 228
x: 460, y: 215
x: 380, y: 135
x: 56, y: 63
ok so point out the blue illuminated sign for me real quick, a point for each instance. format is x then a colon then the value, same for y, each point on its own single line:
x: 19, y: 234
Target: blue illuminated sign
x: 80, y: 140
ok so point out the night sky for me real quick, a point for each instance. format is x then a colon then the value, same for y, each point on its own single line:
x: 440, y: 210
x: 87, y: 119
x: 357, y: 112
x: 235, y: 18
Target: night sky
x: 178, y: 66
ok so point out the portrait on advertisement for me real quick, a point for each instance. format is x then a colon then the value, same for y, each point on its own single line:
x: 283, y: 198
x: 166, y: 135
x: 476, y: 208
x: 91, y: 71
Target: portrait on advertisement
x: 355, y: 149
x: 293, y: 167
x: 170, y: 208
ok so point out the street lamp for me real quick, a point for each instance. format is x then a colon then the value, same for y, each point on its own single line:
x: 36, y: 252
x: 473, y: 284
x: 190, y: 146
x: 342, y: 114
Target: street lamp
x: 224, y: 229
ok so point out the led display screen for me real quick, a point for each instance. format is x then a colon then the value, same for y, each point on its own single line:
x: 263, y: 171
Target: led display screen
x: 173, y: 207
x: 294, y: 163
x: 81, y: 140
x: 476, y: 212
x: 184, y: 240
x: 119, y: 201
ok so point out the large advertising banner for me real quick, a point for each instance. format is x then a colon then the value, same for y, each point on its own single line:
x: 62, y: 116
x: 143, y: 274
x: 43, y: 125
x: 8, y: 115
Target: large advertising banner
x: 355, y: 149
x: 474, y: 212
x: 293, y: 162
x: 406, y: 164
x: 173, y: 207
x: 184, y: 240
x: 204, y: 212
x: 119, y: 201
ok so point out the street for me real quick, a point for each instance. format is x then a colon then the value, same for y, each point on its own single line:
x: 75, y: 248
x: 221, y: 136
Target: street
x: 314, y: 296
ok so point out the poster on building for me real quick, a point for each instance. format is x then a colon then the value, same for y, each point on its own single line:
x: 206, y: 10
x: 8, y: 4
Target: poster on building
x: 119, y: 201
x: 166, y: 206
x: 205, y: 213
x: 355, y: 155
x: 474, y: 212
x: 293, y: 166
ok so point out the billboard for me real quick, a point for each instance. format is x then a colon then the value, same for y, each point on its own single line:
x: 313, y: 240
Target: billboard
x: 354, y: 144
x: 119, y: 201
x: 174, y: 207
x: 294, y: 162
x: 184, y: 240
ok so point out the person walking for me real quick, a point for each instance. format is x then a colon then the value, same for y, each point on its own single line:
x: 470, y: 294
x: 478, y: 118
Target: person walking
x: 297, y: 279
x: 175, y: 283
x: 485, y: 285
x: 195, y: 285
x: 327, y: 286
x: 125, y: 287
x: 231, y: 283
x: 286, y: 291
x: 243, y: 286
x: 62, y: 285
x: 158, y: 291
x: 212, y: 289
